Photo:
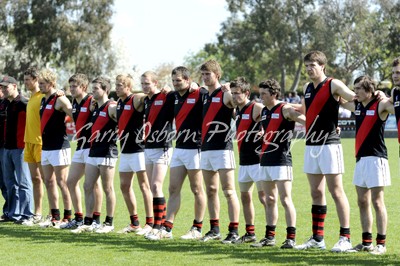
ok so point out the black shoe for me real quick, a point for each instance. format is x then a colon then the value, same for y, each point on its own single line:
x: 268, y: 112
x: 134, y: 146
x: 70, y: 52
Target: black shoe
x: 231, y: 238
x: 265, y: 242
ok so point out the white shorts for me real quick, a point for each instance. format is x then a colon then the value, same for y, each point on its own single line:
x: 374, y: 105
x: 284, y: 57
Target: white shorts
x: 132, y: 162
x: 216, y: 160
x: 80, y: 156
x: 248, y: 173
x: 97, y: 161
x: 190, y: 158
x: 56, y: 157
x: 158, y: 156
x: 324, y: 159
x: 372, y: 171
x: 276, y: 173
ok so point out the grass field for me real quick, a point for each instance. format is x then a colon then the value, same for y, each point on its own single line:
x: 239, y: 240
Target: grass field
x: 21, y: 245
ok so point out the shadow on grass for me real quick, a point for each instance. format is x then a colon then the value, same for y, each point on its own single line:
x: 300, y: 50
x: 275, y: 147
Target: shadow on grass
x: 215, y: 252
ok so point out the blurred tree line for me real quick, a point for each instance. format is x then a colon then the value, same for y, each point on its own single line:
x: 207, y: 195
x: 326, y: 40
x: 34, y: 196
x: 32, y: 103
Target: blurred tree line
x: 269, y: 38
x: 68, y: 35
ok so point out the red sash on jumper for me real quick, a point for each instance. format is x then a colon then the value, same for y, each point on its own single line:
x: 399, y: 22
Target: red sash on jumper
x: 273, y: 126
x: 47, y: 113
x: 318, y: 103
x: 366, y: 126
x: 211, y: 113
x: 186, y: 108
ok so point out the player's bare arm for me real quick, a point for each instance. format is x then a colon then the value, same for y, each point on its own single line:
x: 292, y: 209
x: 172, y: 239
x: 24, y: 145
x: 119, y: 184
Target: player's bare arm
x: 290, y: 113
x: 112, y: 111
x: 64, y: 105
x: 340, y: 90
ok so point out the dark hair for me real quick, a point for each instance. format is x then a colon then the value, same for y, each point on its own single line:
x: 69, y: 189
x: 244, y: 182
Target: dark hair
x: 366, y: 83
x: 181, y: 70
x: 241, y: 83
x: 272, y: 86
x: 396, y: 62
x: 32, y: 71
x: 104, y: 82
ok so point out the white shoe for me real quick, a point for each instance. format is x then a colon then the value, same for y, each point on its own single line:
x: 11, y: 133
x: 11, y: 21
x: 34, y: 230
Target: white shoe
x: 105, y: 228
x: 192, y: 234
x: 86, y: 228
x: 312, y: 243
x: 130, y: 229
x: 159, y: 234
x: 342, y: 245
x: 47, y: 222
x: 34, y: 220
x: 71, y: 225
x: 378, y: 250
x: 145, y: 230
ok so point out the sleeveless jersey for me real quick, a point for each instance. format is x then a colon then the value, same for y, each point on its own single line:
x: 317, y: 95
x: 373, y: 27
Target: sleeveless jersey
x: 321, y: 114
x: 15, y: 123
x: 278, y: 132
x: 396, y: 103
x: 159, y: 114
x: 52, y: 121
x: 103, y: 139
x: 369, y: 131
x: 216, y: 128
x: 33, y: 134
x: 82, y: 117
x: 130, y: 123
x: 248, y: 139
x: 188, y: 116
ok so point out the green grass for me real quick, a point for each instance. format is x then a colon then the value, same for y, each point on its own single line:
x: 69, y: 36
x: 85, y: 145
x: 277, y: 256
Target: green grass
x: 21, y: 245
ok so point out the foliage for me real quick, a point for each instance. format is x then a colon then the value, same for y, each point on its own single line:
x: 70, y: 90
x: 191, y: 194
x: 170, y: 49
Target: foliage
x: 70, y: 34
x: 268, y: 38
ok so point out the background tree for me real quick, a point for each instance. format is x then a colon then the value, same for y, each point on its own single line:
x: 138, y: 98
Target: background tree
x: 73, y: 35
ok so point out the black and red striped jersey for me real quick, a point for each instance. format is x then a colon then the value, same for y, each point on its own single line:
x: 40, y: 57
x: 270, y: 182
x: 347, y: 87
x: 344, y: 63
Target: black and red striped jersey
x: 369, y: 131
x: 247, y: 135
x: 82, y: 116
x: 278, y: 132
x: 130, y: 126
x: 188, y: 114
x: 52, y: 121
x: 216, y: 133
x: 159, y: 115
x: 15, y: 123
x: 103, y: 140
x: 321, y: 114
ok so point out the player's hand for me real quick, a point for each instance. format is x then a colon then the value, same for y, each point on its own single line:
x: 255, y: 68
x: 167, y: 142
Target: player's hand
x: 380, y: 95
x: 60, y: 93
x: 193, y: 87
x: 166, y: 89
x: 226, y: 87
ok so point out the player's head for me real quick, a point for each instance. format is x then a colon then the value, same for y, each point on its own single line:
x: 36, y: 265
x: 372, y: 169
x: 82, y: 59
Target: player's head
x: 270, y: 90
x: 315, y: 63
x: 364, y: 87
x: 180, y: 78
x: 396, y: 72
x: 149, y: 81
x: 78, y: 84
x: 240, y: 89
x: 212, y: 66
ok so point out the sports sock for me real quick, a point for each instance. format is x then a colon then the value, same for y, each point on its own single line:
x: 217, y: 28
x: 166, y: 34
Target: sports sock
x: 168, y: 226
x: 150, y: 221
x: 67, y: 215
x: 96, y: 217
x: 233, y: 227
x: 291, y: 233
x: 198, y: 225
x: 250, y: 229
x: 87, y: 220
x: 134, y: 220
x: 345, y: 232
x: 318, y: 221
x: 78, y: 216
x: 214, y: 225
x: 380, y: 239
x: 270, y: 231
x: 109, y: 220
x: 366, y: 239
x: 158, y: 209
x: 55, y: 214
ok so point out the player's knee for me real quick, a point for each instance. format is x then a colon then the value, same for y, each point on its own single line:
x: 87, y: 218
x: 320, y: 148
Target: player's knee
x: 229, y: 193
x: 270, y: 200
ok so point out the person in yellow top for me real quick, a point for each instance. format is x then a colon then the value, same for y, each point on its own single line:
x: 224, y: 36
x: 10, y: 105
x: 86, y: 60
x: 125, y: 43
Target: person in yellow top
x: 33, y: 142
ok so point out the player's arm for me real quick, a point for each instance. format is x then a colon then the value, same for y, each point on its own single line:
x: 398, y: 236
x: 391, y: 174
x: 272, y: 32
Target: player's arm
x: 385, y: 107
x: 112, y: 111
x: 138, y: 101
x: 302, y: 108
x: 228, y: 99
x: 290, y: 113
x: 340, y: 90
x: 348, y: 105
x: 257, y: 112
x: 64, y: 105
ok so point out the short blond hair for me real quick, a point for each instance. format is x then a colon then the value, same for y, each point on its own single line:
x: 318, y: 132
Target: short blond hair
x: 213, y: 66
x: 48, y: 76
x: 126, y: 79
x: 150, y: 74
